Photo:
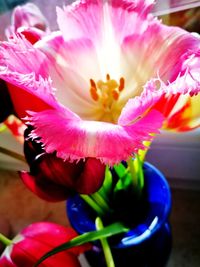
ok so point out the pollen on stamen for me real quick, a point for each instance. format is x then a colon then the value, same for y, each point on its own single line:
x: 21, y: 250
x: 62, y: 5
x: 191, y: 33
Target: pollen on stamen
x: 115, y: 94
x: 93, y: 84
x: 107, y: 77
x: 121, y: 84
x: 93, y: 90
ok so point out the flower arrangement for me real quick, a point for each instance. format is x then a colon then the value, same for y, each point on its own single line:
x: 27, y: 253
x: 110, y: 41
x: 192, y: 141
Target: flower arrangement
x: 89, y: 99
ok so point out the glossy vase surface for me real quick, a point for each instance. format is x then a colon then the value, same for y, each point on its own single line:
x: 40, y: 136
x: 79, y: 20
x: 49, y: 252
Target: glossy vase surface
x: 147, y: 244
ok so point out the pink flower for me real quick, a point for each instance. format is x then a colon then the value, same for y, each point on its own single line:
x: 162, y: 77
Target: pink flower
x: 110, y: 64
x: 36, y: 240
x: 29, y: 21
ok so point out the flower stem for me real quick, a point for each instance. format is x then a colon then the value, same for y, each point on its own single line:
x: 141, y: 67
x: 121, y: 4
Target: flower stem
x: 133, y: 172
x: 140, y: 171
x: 4, y: 240
x: 92, y: 204
x: 101, y: 202
x: 12, y: 154
x: 107, y: 185
x: 105, y: 245
x: 136, y: 170
x: 142, y: 152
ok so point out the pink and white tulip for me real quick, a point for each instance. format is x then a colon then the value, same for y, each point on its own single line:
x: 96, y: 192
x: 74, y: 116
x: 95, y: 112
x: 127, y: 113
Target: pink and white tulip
x: 96, y: 84
x: 37, y: 239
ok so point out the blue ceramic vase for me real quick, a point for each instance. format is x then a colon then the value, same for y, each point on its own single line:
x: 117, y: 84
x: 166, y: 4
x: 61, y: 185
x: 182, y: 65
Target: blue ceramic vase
x: 148, y: 243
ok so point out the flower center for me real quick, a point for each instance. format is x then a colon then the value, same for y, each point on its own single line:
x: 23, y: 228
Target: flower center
x: 106, y: 92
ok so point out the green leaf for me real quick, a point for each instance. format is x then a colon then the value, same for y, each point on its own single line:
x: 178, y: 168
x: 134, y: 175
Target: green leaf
x: 108, y: 231
x: 120, y: 170
x: 125, y: 179
x: 123, y: 183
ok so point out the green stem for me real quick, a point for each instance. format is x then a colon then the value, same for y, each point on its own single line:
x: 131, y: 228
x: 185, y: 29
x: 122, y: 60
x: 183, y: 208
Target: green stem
x: 101, y: 202
x: 105, y: 245
x: 92, y: 204
x: 133, y: 171
x: 4, y: 240
x: 12, y: 154
x: 140, y: 173
x: 142, y: 153
x: 107, y: 185
x: 136, y: 170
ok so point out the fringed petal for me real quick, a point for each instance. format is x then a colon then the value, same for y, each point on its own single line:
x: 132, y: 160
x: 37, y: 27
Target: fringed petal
x: 23, y: 68
x: 105, y: 141
x: 180, y: 104
x: 18, y: 55
x: 177, y: 64
x: 47, y: 171
x: 138, y: 106
x: 160, y: 96
x: 158, y: 50
x: 27, y: 93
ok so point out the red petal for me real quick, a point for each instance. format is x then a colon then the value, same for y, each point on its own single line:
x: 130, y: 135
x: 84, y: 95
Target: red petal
x: 92, y: 176
x: 44, y: 188
x: 23, y: 101
x: 31, y: 34
x: 36, y: 240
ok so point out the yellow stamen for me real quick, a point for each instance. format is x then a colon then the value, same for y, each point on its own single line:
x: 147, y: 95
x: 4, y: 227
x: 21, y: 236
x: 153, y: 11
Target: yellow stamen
x: 106, y: 92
